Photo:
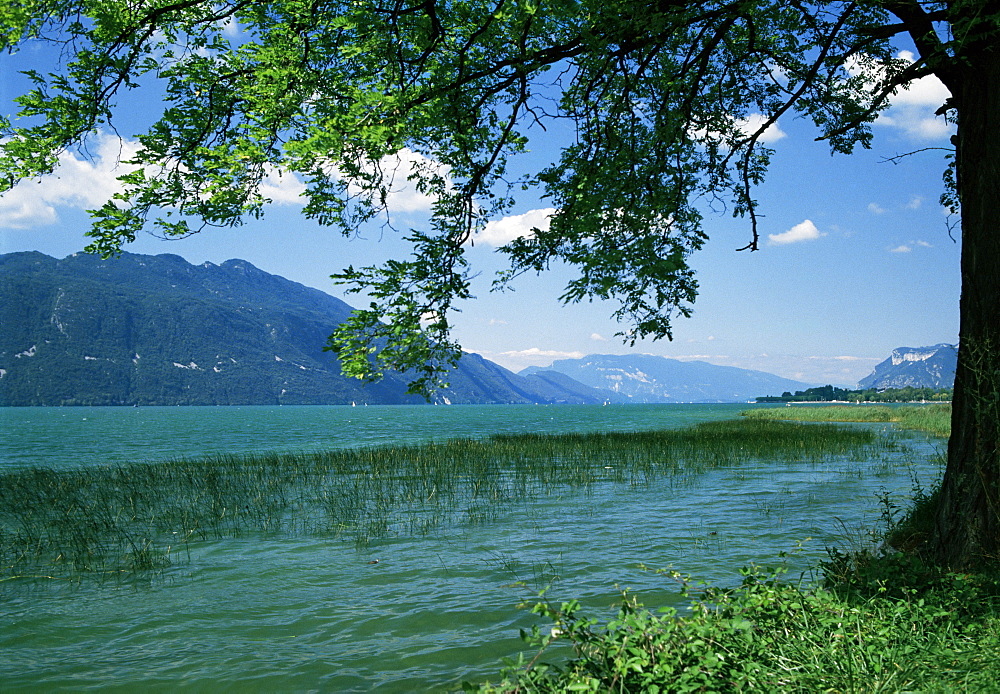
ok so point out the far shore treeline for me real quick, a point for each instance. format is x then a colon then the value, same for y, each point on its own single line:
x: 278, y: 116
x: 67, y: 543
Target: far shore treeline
x: 833, y: 394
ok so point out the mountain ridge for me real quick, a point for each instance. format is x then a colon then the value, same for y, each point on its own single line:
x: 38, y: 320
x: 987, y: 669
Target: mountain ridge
x: 649, y: 378
x: 148, y: 330
x: 157, y: 330
x: 916, y: 367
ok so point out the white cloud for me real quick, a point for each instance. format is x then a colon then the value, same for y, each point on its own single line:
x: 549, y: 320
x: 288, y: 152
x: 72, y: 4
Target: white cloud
x: 516, y: 360
x: 535, y: 352
x: 597, y: 337
x: 746, y: 126
x: 87, y: 183
x: 282, y: 187
x: 502, y: 231
x: 908, y: 246
x: 753, y: 123
x: 396, y: 170
x: 804, y: 231
x: 914, y: 203
x: 76, y: 182
x: 912, y: 108
x: 230, y: 28
x: 926, y: 91
x: 496, y: 321
x: 403, y: 193
x: 919, y: 123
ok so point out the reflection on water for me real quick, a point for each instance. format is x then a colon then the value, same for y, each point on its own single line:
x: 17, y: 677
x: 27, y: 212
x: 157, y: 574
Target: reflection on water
x: 308, y: 613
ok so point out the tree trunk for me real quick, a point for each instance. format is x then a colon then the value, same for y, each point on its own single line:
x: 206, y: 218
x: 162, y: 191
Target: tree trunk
x: 968, y: 522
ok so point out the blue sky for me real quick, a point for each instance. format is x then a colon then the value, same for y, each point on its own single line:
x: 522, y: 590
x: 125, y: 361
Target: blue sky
x: 856, y: 258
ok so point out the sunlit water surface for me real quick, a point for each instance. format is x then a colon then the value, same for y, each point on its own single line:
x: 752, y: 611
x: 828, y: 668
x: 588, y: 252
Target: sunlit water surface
x: 315, y: 614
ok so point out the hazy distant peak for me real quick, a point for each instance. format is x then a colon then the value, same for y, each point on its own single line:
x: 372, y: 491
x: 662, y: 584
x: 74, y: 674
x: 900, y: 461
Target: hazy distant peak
x: 652, y: 378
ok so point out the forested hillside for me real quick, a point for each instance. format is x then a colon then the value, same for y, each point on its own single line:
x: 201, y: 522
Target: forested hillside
x: 156, y: 330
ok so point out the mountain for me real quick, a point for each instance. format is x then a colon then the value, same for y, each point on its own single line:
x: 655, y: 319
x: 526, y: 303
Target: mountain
x: 157, y: 330
x: 648, y: 378
x: 917, y: 367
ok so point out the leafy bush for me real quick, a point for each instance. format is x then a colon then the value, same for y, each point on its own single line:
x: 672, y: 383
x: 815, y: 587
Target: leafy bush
x: 770, y: 635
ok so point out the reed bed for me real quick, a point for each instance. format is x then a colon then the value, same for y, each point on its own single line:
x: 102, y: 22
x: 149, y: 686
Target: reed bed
x: 934, y: 419
x: 118, y: 520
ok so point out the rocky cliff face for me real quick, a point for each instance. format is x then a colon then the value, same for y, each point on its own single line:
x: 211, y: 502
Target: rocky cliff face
x: 916, y: 367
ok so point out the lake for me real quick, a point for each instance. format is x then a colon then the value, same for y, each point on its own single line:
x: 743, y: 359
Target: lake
x: 316, y: 613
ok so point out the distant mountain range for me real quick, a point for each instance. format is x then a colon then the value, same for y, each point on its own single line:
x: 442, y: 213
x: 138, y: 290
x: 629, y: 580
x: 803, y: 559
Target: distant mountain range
x: 647, y: 378
x: 156, y: 330
x: 917, y: 367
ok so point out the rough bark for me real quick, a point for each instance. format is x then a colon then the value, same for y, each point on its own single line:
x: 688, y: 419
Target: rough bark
x: 968, y: 522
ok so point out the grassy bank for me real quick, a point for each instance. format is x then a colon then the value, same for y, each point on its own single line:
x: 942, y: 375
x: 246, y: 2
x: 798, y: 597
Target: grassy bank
x: 106, y: 521
x: 935, y: 419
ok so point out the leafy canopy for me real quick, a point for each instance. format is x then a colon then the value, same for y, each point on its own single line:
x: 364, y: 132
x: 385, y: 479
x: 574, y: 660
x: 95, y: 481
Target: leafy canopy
x: 667, y: 103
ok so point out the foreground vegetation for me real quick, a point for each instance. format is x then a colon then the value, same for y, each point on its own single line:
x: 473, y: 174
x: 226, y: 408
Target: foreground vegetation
x: 880, y: 619
x: 111, y: 520
x: 889, y: 625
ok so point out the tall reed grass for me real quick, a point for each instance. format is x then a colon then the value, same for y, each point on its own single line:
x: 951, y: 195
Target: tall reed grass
x: 934, y: 419
x: 113, y: 520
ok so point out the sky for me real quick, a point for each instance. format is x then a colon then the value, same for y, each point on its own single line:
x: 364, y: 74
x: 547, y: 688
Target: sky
x: 857, y: 258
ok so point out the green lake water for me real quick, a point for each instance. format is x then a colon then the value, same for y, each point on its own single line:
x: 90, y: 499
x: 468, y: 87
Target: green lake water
x: 313, y: 613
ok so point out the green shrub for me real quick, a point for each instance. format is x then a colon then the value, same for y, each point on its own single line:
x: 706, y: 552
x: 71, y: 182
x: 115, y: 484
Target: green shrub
x: 769, y: 635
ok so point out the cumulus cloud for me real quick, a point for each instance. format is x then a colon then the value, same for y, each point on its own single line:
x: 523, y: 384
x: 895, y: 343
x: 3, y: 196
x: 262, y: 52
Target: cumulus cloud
x: 403, y: 193
x: 282, y: 187
x: 902, y: 248
x: 875, y: 208
x: 746, y: 126
x: 597, y: 337
x: 754, y: 122
x: 396, y: 170
x: 502, y: 231
x: 927, y: 91
x: 912, y: 108
x: 87, y: 183
x: 804, y: 231
x: 77, y: 182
